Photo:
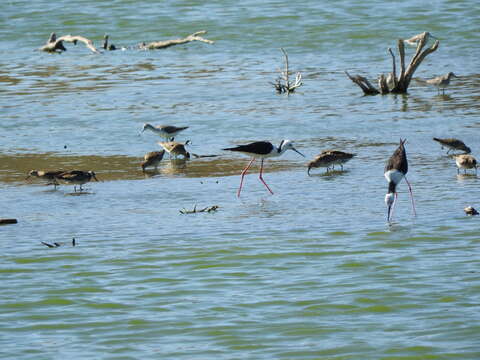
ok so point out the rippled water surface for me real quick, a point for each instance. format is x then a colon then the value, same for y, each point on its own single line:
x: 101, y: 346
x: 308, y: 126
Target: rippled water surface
x: 311, y: 272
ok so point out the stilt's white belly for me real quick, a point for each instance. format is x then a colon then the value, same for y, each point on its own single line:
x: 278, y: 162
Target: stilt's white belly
x: 394, y: 176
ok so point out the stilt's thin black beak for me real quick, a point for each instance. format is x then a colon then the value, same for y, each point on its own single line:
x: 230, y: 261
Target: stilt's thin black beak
x: 308, y: 171
x: 297, y: 151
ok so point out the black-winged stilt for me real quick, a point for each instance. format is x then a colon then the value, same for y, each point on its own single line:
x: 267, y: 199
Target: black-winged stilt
x: 395, y: 170
x: 262, y: 150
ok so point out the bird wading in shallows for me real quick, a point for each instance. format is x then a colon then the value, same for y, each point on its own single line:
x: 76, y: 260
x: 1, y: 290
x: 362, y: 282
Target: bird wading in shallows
x: 395, y: 170
x: 262, y: 150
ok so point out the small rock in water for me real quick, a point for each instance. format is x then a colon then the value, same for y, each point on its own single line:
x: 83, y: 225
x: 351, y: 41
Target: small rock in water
x: 8, y: 221
x: 470, y: 211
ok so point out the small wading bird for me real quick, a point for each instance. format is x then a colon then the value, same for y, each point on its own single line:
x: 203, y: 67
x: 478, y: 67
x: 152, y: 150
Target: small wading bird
x: 441, y: 82
x: 329, y: 158
x: 48, y: 176
x: 395, y: 170
x: 76, y: 177
x: 262, y: 150
x: 175, y: 148
x: 168, y: 132
x: 465, y: 162
x: 453, y: 144
x: 152, y: 158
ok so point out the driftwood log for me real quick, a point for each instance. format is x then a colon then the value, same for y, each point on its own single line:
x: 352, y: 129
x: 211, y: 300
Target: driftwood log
x: 286, y: 86
x: 391, y: 83
x: 207, y: 209
x: 55, y: 45
x: 167, y: 43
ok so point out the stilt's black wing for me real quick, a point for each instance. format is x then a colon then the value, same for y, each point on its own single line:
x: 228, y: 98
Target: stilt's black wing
x: 398, y: 160
x: 258, y: 147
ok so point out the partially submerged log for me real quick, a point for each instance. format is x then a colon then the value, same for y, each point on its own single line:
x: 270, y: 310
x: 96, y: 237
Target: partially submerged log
x: 287, y: 87
x: 55, y: 45
x: 8, y: 221
x: 194, y: 211
x: 392, y: 83
x: 167, y: 43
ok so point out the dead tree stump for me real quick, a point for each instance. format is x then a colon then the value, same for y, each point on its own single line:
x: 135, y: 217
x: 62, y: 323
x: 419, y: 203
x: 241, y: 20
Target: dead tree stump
x: 287, y: 87
x: 391, y: 83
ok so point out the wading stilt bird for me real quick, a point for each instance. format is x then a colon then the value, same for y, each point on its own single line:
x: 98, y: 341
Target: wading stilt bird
x: 168, y: 132
x: 175, y: 148
x: 441, y: 82
x: 76, y: 177
x: 262, y: 150
x: 454, y: 144
x: 465, y: 162
x: 329, y: 158
x: 48, y: 176
x: 395, y: 170
x: 152, y: 158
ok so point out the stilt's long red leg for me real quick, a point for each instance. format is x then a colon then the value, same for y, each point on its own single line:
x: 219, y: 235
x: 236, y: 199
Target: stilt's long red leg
x: 243, y: 174
x: 261, y: 178
x: 411, y: 197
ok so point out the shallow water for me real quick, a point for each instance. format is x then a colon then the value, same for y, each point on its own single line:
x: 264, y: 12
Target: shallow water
x: 312, y: 272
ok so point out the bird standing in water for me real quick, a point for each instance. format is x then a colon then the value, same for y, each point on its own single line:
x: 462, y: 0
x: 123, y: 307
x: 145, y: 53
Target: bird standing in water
x: 395, y: 170
x: 262, y: 150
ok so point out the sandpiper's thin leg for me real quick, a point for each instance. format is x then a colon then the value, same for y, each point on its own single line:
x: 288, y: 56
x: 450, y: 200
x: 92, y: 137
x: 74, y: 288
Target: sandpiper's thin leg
x: 261, y: 178
x: 243, y: 174
x: 411, y: 197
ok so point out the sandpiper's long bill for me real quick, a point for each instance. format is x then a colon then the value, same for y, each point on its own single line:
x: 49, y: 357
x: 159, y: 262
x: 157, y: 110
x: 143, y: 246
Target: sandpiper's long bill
x: 262, y: 150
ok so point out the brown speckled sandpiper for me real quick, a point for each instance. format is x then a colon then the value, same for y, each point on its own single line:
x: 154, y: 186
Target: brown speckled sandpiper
x: 46, y: 175
x: 77, y: 177
x: 453, y: 144
x: 465, y: 162
x: 152, y: 158
x: 329, y: 158
x: 175, y: 148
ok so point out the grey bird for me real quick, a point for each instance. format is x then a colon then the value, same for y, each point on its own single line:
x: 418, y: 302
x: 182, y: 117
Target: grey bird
x: 441, y: 82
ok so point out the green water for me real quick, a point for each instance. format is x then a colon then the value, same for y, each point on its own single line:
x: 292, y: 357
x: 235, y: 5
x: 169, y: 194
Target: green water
x: 311, y: 272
